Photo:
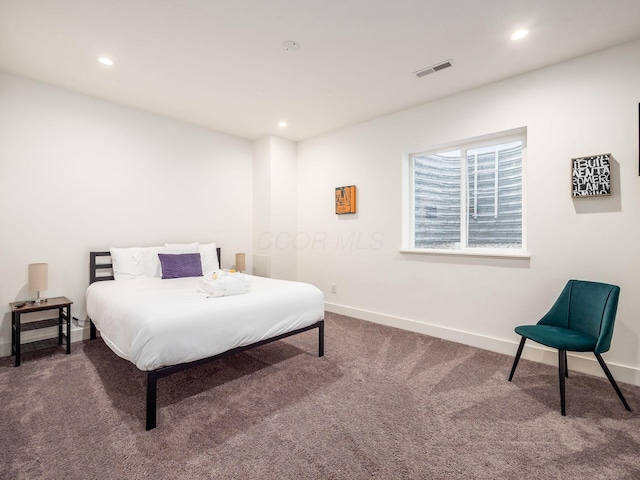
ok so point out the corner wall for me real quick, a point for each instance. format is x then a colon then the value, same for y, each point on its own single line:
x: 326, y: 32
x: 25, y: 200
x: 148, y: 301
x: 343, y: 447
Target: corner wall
x: 274, y: 208
x: 582, y: 107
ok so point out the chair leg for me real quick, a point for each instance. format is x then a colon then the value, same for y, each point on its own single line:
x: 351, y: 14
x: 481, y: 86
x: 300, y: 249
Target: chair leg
x: 562, y: 371
x: 517, y: 359
x: 611, y: 380
x: 566, y: 365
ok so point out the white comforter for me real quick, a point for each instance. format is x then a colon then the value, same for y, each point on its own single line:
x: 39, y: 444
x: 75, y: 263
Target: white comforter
x: 154, y: 323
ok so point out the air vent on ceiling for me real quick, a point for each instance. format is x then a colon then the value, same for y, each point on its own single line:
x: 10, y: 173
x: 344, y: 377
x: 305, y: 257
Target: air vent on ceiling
x: 434, y: 68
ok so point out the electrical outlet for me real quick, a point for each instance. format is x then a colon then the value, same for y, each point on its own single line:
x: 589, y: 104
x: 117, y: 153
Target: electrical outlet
x: 334, y: 288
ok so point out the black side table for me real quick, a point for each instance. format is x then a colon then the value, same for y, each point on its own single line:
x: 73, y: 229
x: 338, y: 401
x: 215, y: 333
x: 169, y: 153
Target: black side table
x: 62, y: 304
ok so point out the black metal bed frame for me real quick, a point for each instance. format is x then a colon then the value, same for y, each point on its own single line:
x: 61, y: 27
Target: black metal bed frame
x: 154, y: 375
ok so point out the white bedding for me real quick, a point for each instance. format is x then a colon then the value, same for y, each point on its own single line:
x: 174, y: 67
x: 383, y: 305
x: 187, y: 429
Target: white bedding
x: 154, y: 323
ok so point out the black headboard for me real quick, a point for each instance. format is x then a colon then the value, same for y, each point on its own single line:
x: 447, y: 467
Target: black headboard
x: 95, y: 265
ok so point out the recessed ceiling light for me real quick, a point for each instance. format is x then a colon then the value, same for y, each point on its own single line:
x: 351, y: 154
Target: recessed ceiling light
x: 519, y: 34
x: 282, y: 124
x: 105, y: 61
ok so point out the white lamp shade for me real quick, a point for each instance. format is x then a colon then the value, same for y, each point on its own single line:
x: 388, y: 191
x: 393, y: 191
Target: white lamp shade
x: 240, y: 265
x: 38, y: 277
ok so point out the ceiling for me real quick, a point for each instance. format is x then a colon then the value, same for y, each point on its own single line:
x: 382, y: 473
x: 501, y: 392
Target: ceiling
x: 220, y: 64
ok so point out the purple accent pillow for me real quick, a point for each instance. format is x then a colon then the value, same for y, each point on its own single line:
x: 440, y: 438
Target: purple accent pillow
x: 181, y: 265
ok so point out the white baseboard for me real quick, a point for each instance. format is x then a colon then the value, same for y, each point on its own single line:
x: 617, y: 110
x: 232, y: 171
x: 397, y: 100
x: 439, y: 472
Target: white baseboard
x: 584, y: 363
x: 534, y: 352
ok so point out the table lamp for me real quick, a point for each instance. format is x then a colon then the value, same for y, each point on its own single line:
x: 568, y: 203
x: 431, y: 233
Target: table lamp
x: 38, y: 279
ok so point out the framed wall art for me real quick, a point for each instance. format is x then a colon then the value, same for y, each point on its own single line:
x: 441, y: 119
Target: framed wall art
x: 591, y: 176
x: 346, y: 199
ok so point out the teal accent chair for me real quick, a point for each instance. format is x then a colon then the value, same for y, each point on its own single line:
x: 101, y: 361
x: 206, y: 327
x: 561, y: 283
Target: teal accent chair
x: 581, y: 320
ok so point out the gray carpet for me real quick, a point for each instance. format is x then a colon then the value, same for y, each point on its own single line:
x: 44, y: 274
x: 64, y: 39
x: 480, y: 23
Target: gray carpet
x: 383, y: 403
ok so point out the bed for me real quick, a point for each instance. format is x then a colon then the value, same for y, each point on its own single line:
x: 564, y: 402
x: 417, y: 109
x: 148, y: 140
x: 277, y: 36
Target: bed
x: 166, y: 326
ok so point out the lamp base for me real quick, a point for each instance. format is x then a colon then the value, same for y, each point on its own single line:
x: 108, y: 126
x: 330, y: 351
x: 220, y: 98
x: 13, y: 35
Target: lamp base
x: 38, y: 300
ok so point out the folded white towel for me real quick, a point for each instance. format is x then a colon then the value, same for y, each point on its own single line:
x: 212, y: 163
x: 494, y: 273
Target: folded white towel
x: 221, y: 284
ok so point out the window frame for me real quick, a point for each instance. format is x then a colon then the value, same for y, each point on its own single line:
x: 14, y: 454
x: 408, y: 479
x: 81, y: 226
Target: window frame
x: 408, y: 204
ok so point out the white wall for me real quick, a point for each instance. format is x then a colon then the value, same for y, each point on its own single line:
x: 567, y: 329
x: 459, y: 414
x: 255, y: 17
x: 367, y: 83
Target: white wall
x: 261, y: 206
x: 80, y: 174
x: 284, y: 262
x: 274, y: 208
x: 582, y: 107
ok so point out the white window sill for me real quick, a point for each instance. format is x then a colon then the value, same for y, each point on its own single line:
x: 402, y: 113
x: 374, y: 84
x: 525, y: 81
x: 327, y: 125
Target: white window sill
x: 471, y: 252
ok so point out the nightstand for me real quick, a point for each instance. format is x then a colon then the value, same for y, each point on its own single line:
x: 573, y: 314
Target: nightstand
x: 62, y: 304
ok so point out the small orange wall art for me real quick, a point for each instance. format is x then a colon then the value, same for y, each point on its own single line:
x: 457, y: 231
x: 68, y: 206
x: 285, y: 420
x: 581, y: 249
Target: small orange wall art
x: 346, y: 199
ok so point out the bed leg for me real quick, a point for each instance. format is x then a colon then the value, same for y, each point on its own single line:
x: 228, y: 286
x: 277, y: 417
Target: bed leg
x: 152, y: 381
x: 321, y: 338
x: 92, y: 330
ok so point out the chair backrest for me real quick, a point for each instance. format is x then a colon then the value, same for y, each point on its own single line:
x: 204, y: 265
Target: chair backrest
x: 586, y: 307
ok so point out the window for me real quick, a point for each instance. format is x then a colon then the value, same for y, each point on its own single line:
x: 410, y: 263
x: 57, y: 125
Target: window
x: 468, y: 197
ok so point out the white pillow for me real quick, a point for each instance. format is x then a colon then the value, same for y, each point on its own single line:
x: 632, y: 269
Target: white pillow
x: 151, y: 262
x: 127, y: 263
x: 209, y: 258
x: 136, y: 262
x: 182, y: 247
